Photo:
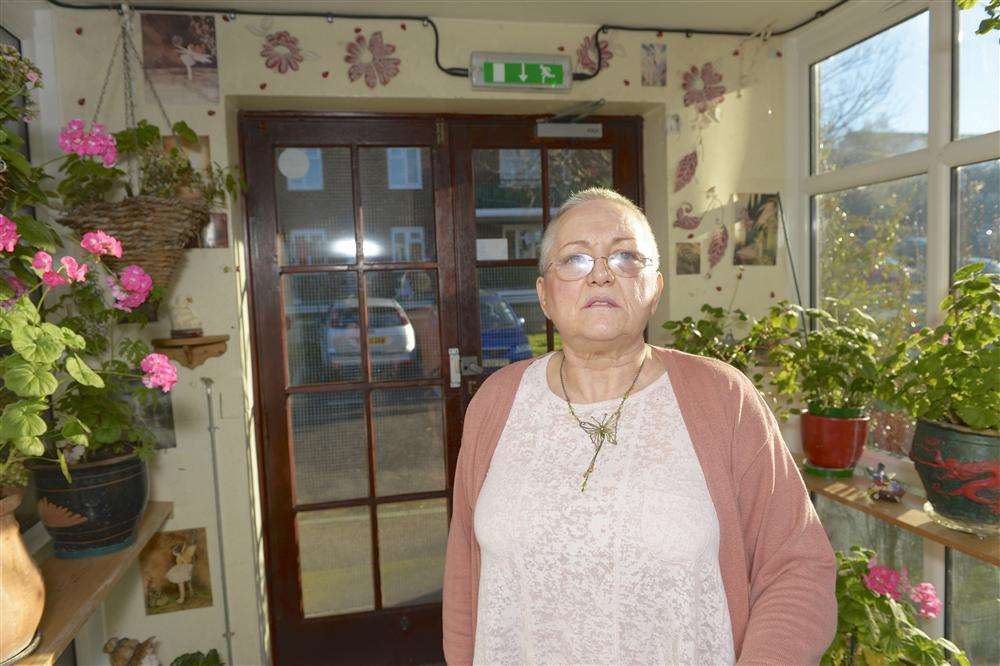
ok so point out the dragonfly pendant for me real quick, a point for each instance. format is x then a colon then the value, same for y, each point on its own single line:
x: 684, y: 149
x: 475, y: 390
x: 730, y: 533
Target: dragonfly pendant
x: 600, y: 431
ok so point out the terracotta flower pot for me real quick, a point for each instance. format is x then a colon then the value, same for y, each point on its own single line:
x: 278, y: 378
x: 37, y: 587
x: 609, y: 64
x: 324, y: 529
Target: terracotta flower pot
x: 960, y: 470
x: 834, y: 439
x: 22, y: 593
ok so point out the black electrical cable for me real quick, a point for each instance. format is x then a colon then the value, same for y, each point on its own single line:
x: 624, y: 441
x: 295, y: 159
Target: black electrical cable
x: 428, y: 21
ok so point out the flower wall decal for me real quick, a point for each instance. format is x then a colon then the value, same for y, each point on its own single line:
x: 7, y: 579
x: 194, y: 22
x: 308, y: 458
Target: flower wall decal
x: 717, y: 245
x: 685, y: 220
x: 703, y: 87
x: 281, y: 50
x: 371, y: 59
x: 685, y: 170
x: 586, y: 55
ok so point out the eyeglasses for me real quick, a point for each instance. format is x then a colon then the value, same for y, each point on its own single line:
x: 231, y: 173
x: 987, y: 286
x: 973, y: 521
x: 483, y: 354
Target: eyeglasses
x: 579, y: 265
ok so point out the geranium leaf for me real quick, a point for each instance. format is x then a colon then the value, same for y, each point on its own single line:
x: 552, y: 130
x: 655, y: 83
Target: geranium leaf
x: 82, y: 373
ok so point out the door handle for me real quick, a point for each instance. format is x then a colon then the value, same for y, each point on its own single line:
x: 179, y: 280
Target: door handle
x: 470, y: 366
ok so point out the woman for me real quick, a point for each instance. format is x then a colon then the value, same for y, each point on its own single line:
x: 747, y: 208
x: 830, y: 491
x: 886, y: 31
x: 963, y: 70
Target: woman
x: 621, y: 503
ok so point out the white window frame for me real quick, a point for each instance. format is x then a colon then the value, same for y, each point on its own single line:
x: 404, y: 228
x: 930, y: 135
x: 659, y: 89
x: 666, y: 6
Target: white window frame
x: 404, y: 168
x: 851, y: 24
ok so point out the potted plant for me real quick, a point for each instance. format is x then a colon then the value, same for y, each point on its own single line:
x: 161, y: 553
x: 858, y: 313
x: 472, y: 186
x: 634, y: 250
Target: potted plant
x: 833, y: 369
x: 875, y: 625
x: 63, y: 375
x: 22, y: 594
x: 947, y: 378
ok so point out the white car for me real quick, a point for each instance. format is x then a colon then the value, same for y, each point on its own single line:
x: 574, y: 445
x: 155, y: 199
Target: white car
x: 392, y: 343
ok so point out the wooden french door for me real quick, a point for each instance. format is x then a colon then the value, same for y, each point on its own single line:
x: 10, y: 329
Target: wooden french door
x: 380, y: 248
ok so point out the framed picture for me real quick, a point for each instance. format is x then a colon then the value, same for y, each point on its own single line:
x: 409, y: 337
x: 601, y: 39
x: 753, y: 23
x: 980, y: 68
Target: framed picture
x: 180, y: 56
x: 756, y: 230
x: 175, y: 574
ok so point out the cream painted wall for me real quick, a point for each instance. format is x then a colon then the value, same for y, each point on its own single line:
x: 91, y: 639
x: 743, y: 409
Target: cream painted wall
x: 742, y: 153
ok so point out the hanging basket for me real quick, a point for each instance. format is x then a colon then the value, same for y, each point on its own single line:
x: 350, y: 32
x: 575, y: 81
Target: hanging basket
x: 152, y: 230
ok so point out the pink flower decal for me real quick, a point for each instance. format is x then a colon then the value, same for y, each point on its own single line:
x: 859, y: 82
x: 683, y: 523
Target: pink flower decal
x: 703, y: 88
x: 75, y: 139
x: 131, y: 289
x: 586, y: 55
x: 99, y: 242
x: 717, y: 245
x: 282, y: 52
x: 685, y: 220
x: 371, y: 60
x: 159, y: 371
x: 8, y: 234
x: 685, y: 170
x: 75, y: 271
x: 42, y: 261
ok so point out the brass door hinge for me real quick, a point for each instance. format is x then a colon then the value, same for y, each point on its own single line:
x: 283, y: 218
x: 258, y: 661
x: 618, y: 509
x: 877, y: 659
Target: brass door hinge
x: 440, y: 132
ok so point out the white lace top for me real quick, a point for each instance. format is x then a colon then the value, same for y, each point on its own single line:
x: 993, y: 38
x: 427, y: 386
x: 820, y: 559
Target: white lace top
x: 625, y: 572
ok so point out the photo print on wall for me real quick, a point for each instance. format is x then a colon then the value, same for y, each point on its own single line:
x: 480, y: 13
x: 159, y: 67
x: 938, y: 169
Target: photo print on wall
x: 755, y: 230
x: 180, y: 56
x: 654, y: 64
x: 688, y: 258
x: 175, y: 574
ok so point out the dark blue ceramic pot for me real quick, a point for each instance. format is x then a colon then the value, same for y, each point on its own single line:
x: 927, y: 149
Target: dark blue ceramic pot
x: 99, y: 512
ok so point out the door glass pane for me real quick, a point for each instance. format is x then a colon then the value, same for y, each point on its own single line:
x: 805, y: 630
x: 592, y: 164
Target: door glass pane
x: 409, y: 440
x: 979, y: 214
x: 508, y: 190
x: 978, y: 84
x: 321, y: 327
x: 329, y: 446
x: 403, y: 324
x: 511, y: 322
x: 335, y: 561
x: 572, y: 170
x: 974, y: 612
x: 397, y: 202
x: 412, y: 538
x: 871, y: 100
x: 315, y: 206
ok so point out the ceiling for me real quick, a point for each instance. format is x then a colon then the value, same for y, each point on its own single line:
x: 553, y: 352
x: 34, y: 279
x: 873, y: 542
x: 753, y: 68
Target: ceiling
x: 724, y: 15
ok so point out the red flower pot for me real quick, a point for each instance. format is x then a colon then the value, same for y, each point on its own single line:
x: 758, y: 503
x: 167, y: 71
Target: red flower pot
x: 834, y: 442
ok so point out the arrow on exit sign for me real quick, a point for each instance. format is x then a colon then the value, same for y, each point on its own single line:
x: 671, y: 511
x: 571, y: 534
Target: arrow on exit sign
x: 518, y: 70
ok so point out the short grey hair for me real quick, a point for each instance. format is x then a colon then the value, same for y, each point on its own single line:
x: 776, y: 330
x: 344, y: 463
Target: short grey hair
x: 644, y: 231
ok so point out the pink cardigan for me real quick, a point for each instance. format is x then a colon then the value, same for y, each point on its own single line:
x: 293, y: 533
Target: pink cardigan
x: 778, y: 568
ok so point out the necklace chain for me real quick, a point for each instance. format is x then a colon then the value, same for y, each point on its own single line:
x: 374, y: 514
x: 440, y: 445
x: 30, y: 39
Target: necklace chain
x: 600, y: 430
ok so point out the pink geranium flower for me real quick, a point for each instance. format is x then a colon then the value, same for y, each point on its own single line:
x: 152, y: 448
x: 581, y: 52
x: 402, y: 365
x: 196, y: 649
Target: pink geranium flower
x: 99, y: 242
x: 926, y: 597
x: 18, y: 287
x: 8, y: 234
x: 53, y: 279
x: 75, y: 139
x: 159, y: 371
x: 42, y: 261
x: 131, y: 289
x: 883, y: 580
x: 74, y: 271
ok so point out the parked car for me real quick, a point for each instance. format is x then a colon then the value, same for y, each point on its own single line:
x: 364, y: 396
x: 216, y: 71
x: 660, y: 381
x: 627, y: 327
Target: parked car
x: 503, y: 338
x: 392, y: 342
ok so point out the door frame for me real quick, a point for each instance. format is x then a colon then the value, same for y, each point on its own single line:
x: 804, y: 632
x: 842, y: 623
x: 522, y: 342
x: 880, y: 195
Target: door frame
x: 455, y: 238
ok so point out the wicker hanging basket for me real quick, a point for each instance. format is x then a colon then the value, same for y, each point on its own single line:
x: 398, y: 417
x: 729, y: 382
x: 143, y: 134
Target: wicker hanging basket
x: 153, y: 230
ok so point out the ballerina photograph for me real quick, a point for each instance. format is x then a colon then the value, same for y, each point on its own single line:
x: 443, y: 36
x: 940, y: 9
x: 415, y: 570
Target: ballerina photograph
x: 179, y: 52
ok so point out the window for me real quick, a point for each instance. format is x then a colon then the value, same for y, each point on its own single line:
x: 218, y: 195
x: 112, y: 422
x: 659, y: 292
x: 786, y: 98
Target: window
x: 977, y: 213
x: 405, y: 169
x: 977, y: 83
x: 303, y: 168
x: 871, y: 99
x: 896, y: 165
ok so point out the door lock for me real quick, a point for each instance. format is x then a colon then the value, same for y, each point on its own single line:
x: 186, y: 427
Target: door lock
x: 470, y: 366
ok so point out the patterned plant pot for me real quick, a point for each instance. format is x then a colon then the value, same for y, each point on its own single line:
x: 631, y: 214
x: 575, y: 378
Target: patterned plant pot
x: 99, y: 512
x: 960, y: 470
x: 834, y: 439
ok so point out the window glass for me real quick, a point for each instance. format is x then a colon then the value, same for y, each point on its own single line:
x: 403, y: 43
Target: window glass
x: 977, y: 214
x: 977, y: 75
x: 871, y: 100
x: 973, y: 615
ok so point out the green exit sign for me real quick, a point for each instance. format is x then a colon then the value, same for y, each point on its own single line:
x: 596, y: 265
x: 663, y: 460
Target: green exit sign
x: 520, y: 71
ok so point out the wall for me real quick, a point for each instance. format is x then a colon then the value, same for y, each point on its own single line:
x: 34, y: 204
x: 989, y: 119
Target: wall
x: 743, y: 152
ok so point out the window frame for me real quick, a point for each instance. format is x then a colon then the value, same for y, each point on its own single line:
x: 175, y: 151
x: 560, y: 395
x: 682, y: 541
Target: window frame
x: 838, y: 31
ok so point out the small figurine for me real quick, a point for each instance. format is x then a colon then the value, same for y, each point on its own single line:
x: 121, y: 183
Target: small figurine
x: 884, y: 486
x: 130, y: 652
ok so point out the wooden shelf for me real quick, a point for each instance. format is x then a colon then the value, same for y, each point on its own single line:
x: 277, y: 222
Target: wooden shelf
x: 908, y: 515
x: 192, y: 352
x: 75, y: 588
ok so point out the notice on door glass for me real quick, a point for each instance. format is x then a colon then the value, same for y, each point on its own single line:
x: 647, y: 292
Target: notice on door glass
x: 491, y: 249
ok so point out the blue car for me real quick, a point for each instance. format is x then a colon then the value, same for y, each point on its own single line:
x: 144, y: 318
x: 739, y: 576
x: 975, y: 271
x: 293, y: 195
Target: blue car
x: 503, y: 338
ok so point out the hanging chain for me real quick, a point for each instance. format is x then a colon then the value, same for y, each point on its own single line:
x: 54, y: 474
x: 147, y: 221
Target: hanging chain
x: 107, y: 78
x: 130, y: 46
